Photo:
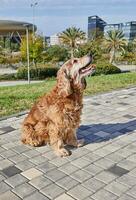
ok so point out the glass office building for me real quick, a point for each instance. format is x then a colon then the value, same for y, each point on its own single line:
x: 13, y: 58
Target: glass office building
x: 128, y: 28
x: 95, y: 26
x: 111, y: 27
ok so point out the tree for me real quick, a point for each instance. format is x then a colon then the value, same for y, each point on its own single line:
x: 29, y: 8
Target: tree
x: 71, y: 37
x: 133, y: 43
x: 55, y: 53
x: 114, y: 42
x: 93, y: 47
x: 129, y: 54
x: 35, y: 48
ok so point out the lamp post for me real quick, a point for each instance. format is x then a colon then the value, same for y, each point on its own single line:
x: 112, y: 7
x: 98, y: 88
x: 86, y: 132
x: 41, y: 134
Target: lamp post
x: 27, y: 47
x: 33, y: 5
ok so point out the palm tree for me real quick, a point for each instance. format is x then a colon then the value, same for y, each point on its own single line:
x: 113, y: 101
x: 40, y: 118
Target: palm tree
x: 72, y: 37
x: 134, y: 44
x: 115, y: 42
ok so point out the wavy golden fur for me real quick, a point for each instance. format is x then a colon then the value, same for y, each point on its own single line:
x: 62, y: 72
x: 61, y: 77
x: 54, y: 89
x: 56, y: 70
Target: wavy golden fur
x: 56, y: 116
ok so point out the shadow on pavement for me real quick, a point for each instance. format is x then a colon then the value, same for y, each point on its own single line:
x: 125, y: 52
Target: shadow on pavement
x: 103, y: 132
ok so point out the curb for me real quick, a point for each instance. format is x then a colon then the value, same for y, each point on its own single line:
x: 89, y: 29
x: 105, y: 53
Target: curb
x: 110, y: 91
x: 14, y: 115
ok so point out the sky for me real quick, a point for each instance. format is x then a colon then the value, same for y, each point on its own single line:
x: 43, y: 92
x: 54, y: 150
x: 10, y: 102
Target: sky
x: 53, y: 16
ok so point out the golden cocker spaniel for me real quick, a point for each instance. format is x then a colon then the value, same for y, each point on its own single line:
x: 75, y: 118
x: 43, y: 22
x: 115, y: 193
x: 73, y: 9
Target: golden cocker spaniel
x: 56, y: 116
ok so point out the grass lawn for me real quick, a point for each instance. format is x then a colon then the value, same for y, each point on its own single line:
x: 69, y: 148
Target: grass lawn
x: 14, y: 99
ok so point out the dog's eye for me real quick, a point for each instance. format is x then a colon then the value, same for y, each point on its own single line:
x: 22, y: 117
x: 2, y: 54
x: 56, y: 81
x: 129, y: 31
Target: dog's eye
x: 75, y: 61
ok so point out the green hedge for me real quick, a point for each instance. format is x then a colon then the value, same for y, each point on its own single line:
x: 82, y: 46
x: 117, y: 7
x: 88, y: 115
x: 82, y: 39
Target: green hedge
x: 46, y: 72
x: 106, y: 68
x: 37, y: 73
x: 4, y: 77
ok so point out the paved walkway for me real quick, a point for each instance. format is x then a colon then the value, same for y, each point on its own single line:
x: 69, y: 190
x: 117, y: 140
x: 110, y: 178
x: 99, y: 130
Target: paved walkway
x: 12, y: 83
x: 104, y: 169
x: 125, y: 68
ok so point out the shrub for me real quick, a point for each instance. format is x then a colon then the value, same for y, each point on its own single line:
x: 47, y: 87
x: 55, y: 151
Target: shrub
x: 13, y: 60
x: 4, y: 77
x: 2, y: 59
x: 37, y: 73
x: 55, y: 54
x: 106, y: 68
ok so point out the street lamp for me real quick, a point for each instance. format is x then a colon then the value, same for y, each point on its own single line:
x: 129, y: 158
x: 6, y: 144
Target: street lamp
x: 27, y: 47
x: 33, y: 5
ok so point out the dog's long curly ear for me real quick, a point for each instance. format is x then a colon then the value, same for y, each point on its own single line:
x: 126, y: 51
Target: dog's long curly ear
x: 63, y: 82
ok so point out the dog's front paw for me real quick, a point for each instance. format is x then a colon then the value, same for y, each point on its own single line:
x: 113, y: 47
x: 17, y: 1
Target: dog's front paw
x: 81, y: 143
x: 63, y: 152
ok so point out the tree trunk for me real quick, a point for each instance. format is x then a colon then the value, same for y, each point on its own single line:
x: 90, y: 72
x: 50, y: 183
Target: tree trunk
x: 72, y: 53
x: 112, y: 57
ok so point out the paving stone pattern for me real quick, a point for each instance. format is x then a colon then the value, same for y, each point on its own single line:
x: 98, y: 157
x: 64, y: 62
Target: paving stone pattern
x: 104, y: 169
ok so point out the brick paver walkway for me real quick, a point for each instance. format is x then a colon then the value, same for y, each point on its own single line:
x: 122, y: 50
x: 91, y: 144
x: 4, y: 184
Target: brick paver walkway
x: 104, y: 169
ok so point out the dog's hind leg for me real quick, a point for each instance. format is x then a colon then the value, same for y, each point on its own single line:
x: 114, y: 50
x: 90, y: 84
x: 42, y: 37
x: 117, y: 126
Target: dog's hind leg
x: 30, y: 136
